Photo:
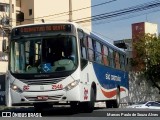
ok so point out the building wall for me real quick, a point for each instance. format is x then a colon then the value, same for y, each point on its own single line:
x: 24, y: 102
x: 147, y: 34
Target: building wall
x: 52, y: 11
x: 3, y: 66
x: 3, y: 57
x: 151, y: 28
x: 48, y: 9
x: 25, y: 6
x: 143, y: 28
x: 78, y: 4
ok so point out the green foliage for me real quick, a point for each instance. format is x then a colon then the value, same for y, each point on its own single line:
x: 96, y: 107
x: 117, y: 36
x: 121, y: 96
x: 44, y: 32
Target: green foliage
x: 147, y: 57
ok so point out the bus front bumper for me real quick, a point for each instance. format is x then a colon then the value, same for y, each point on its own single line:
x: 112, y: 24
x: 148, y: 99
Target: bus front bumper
x: 34, y: 97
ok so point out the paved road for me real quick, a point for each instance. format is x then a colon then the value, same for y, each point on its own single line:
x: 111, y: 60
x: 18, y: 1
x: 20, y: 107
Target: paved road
x: 65, y: 113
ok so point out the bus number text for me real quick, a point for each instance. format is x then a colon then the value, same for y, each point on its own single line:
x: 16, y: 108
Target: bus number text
x: 57, y: 86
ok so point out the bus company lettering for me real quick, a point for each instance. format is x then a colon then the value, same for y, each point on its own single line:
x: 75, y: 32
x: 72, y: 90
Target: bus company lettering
x: 42, y: 28
x: 113, y: 77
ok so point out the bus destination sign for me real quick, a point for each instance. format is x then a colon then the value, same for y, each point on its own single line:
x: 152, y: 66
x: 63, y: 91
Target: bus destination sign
x: 42, y: 28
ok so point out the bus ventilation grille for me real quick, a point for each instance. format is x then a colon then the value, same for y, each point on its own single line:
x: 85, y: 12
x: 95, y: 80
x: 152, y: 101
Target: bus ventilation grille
x: 42, y: 81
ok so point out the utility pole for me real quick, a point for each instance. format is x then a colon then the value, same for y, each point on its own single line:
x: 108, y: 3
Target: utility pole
x: 70, y: 10
x: 10, y: 12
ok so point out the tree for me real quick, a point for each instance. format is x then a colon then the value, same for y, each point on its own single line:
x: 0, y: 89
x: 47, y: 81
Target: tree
x: 147, y: 58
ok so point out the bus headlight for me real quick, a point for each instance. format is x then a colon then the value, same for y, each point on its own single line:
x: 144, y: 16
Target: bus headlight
x: 71, y: 85
x: 15, y: 88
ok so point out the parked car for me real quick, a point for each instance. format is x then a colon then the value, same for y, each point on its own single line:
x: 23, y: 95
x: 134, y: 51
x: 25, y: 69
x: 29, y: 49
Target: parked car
x: 146, y: 105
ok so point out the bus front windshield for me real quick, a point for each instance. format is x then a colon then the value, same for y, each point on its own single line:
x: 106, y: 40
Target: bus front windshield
x: 43, y: 54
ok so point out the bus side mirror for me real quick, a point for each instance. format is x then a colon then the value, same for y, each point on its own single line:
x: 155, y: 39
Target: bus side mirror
x: 4, y: 45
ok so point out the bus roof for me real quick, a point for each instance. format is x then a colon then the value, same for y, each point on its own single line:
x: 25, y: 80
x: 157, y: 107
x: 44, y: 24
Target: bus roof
x: 48, y: 23
x: 92, y: 34
x: 106, y: 42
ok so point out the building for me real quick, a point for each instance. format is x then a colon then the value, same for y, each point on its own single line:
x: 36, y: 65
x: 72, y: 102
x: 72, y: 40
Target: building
x: 49, y: 10
x: 37, y: 11
x: 137, y: 29
x: 4, y: 27
x: 141, y: 29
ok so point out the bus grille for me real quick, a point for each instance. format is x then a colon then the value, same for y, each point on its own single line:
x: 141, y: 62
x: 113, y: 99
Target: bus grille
x: 42, y: 81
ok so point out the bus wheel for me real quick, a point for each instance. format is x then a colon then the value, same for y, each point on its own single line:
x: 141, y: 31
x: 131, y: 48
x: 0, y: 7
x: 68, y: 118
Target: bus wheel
x: 114, y: 103
x: 74, y: 106
x: 117, y: 101
x: 109, y: 104
x: 89, y: 106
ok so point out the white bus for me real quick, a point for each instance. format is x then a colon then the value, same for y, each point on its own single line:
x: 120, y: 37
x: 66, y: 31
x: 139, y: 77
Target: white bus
x: 55, y: 63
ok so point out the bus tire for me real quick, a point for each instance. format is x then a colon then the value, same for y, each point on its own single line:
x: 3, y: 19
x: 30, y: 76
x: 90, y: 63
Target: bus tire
x: 88, y: 107
x: 114, y: 103
x: 38, y: 107
x: 109, y: 104
x: 74, y: 106
x: 117, y: 101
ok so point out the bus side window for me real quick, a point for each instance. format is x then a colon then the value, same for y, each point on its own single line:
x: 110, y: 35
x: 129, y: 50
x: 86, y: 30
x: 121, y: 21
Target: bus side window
x: 98, y: 55
x: 90, y: 49
x: 83, y: 49
x: 117, y: 61
x: 105, y: 55
x: 111, y: 61
x: 83, y: 43
x: 122, y: 62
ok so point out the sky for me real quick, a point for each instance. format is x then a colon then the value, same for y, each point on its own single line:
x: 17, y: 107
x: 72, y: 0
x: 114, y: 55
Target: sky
x: 121, y: 29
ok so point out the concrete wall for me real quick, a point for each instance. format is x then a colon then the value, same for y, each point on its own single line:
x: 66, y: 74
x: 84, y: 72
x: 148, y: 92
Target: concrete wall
x: 141, y: 90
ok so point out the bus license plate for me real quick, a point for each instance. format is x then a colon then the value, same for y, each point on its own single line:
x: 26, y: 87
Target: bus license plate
x: 42, y: 97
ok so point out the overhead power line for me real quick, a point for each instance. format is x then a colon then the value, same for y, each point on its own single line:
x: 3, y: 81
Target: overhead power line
x: 122, y: 12
x: 66, y: 13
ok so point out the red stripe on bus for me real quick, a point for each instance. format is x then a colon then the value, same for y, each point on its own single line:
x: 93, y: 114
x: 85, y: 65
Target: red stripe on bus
x: 111, y: 93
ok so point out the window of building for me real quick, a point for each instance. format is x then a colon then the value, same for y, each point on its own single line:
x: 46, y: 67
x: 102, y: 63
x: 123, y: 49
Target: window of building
x: 30, y: 12
x: 18, y: 3
x: 4, y: 7
x: 12, y: 8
